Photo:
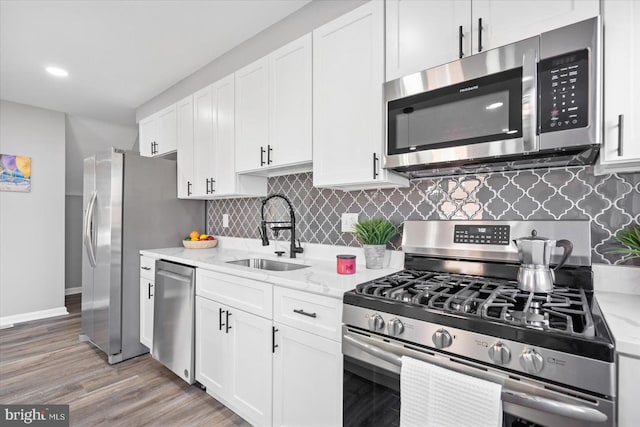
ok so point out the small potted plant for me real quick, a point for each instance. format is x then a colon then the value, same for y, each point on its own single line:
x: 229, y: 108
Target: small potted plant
x: 374, y: 234
x: 630, y: 239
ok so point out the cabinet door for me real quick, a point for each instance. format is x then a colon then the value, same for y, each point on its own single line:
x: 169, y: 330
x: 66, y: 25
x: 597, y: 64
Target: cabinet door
x: 146, y: 312
x: 622, y: 88
x: 204, y: 150
x: 184, y: 111
x: 508, y: 21
x: 250, y: 369
x: 224, y: 136
x: 212, y: 358
x: 307, y: 379
x: 147, y: 135
x: 167, y: 131
x: 252, y: 121
x: 290, y: 103
x: 424, y: 33
x: 628, y: 389
x: 348, y: 73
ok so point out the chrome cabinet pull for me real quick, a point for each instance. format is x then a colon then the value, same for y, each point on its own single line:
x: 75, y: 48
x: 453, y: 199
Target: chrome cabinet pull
x: 269, y: 150
x: 149, y: 291
x: 227, y: 327
x: 207, y: 186
x: 620, y: 135
x: 146, y: 268
x: 262, y: 162
x: 188, y: 188
x: 304, y: 313
x: 460, y: 36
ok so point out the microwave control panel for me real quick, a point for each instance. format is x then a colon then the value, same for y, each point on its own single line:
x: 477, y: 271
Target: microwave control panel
x: 563, y: 82
x: 482, y: 234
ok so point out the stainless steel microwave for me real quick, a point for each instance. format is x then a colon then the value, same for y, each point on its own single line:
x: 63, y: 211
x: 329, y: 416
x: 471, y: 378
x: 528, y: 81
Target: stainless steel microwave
x: 533, y: 103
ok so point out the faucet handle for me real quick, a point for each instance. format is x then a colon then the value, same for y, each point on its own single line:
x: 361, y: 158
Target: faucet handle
x: 298, y: 248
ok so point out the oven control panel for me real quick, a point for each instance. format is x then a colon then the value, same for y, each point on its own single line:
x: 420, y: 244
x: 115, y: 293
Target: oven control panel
x: 482, y: 234
x: 564, y: 91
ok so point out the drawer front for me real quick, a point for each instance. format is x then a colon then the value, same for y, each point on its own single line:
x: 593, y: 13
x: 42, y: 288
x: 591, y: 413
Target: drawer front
x: 314, y: 313
x: 245, y: 294
x: 148, y: 267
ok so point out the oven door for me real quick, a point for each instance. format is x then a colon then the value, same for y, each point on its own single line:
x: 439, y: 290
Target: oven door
x: 478, y: 107
x: 371, y: 394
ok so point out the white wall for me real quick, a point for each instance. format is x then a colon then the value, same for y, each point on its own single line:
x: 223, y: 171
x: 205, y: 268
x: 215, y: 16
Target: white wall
x: 85, y: 136
x: 32, y: 225
x: 304, y: 20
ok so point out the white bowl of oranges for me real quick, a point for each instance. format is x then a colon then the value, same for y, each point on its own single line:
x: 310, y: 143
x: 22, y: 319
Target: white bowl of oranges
x: 195, y: 240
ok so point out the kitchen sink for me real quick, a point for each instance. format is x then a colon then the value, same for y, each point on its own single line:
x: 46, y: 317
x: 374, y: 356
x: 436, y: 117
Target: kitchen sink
x: 267, y: 264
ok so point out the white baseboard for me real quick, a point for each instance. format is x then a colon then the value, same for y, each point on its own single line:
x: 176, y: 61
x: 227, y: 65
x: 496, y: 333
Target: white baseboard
x: 73, y: 291
x: 9, y: 321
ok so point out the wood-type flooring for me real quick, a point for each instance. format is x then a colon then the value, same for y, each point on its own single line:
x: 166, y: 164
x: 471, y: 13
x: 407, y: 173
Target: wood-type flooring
x: 42, y: 362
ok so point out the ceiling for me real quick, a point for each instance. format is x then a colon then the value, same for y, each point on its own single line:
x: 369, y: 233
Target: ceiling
x: 119, y: 54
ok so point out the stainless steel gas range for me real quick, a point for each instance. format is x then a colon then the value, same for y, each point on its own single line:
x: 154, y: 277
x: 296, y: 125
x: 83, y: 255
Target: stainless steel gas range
x: 457, y: 305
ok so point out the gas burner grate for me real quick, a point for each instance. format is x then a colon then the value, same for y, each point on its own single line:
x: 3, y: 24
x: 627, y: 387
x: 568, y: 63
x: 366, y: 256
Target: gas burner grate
x: 565, y: 310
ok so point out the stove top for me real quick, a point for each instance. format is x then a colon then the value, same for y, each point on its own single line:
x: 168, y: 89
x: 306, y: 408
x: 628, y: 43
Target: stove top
x: 565, y: 310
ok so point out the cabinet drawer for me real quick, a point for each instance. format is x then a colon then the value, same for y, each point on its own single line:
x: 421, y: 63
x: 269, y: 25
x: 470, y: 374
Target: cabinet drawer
x: 147, y: 267
x: 245, y: 294
x: 310, y: 312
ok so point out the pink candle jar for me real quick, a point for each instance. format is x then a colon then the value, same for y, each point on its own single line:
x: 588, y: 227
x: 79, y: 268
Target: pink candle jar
x: 346, y: 264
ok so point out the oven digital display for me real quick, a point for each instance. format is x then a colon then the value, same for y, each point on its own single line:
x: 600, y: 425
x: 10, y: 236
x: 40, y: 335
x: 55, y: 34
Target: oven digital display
x: 482, y: 234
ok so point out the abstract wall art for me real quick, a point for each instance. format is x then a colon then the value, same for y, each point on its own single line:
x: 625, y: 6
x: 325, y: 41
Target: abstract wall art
x: 15, y: 173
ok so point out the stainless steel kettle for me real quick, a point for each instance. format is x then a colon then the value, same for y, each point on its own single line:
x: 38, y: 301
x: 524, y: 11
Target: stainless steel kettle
x: 534, y: 274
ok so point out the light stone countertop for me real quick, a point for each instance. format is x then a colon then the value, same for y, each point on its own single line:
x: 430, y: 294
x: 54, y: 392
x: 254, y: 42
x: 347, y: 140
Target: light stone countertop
x: 320, y: 278
x: 617, y: 290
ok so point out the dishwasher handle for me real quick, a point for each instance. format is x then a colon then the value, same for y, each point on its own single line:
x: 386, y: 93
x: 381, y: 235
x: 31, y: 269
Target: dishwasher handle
x: 174, y: 276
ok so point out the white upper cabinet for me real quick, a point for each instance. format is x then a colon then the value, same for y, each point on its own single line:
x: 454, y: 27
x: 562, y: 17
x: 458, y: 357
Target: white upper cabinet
x: 508, y: 21
x: 158, y: 133
x: 204, y: 150
x: 252, y: 115
x: 184, y: 112
x: 273, y: 112
x: 348, y: 73
x: 621, y: 151
x: 421, y: 34
x: 214, y: 148
x: 290, y: 105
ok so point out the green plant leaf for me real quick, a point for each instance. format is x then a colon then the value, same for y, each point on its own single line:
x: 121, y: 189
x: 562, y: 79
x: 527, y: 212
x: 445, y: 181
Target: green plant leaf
x: 630, y: 239
x: 375, y: 231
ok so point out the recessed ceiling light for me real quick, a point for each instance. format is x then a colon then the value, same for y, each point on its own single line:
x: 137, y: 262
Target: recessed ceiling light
x: 58, y: 72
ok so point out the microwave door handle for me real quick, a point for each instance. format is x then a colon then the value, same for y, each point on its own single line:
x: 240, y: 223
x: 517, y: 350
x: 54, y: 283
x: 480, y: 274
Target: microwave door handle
x: 529, y: 100
x: 544, y: 404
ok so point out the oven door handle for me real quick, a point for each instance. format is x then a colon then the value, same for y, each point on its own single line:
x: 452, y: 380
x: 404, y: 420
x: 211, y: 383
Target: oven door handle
x: 543, y: 404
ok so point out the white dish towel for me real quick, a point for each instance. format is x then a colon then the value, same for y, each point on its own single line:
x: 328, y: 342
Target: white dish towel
x: 431, y: 396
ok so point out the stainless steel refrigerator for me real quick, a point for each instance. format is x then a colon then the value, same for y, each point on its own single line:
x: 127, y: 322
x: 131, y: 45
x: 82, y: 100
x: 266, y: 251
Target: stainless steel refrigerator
x: 130, y: 203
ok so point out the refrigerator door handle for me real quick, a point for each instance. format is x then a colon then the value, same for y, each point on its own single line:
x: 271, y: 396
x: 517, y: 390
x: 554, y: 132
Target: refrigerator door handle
x: 88, y: 230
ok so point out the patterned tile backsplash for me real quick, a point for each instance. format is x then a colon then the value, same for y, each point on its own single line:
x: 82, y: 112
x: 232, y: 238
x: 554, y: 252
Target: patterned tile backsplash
x: 611, y: 202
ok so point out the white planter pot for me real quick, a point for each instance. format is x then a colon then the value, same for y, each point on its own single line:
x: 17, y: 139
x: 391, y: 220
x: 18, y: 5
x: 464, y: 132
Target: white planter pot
x: 374, y: 256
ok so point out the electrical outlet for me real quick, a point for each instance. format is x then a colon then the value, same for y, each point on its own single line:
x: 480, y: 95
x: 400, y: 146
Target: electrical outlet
x: 225, y: 220
x: 349, y: 221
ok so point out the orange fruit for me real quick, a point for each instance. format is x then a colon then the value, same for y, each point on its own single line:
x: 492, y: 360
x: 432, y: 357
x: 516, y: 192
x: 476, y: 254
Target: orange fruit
x: 195, y: 235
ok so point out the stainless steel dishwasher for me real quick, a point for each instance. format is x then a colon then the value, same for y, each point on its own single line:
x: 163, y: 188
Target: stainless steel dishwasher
x: 173, y: 318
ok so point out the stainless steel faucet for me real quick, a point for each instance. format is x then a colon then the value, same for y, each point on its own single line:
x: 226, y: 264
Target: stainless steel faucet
x: 295, y: 249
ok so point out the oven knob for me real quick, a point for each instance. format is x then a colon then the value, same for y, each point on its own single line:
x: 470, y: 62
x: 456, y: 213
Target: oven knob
x: 442, y: 339
x: 376, y: 322
x: 499, y: 354
x: 531, y: 361
x: 395, y: 327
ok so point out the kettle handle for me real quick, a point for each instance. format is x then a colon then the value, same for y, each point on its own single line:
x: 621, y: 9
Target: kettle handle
x: 568, y: 248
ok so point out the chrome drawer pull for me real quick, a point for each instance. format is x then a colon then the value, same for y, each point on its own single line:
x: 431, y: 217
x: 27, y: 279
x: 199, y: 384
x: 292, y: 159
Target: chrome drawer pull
x: 304, y: 313
x: 146, y: 268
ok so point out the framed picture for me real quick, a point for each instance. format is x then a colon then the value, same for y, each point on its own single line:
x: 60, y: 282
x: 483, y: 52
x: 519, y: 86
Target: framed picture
x: 15, y: 173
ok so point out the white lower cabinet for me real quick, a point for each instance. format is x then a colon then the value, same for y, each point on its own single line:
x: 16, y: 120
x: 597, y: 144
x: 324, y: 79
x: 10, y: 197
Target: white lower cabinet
x: 307, y: 379
x: 146, y: 312
x: 272, y: 355
x: 628, y: 391
x: 233, y: 359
